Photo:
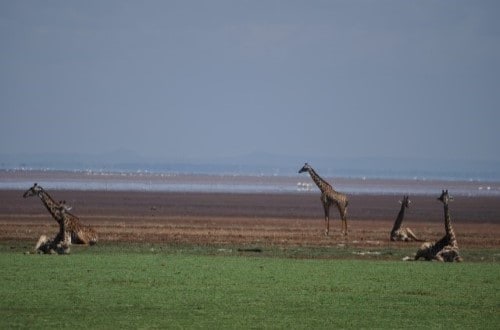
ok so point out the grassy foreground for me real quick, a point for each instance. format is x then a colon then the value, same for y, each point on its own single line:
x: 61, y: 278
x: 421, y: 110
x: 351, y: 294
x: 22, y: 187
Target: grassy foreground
x: 144, y: 288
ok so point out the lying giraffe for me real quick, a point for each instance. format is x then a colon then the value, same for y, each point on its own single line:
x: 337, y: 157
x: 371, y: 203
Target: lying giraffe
x: 59, y: 244
x: 68, y: 223
x: 55, y: 245
x: 328, y: 197
x: 46, y: 245
x: 446, y: 249
x: 403, y: 234
x: 71, y: 230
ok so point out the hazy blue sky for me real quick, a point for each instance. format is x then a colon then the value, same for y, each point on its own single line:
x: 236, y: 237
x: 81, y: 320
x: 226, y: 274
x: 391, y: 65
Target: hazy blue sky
x: 183, y: 79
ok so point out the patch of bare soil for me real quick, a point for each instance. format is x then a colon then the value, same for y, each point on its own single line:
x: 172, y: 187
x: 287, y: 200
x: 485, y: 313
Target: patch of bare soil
x: 249, y: 219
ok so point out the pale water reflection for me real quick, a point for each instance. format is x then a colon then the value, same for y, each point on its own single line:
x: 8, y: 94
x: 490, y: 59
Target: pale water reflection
x: 157, y: 182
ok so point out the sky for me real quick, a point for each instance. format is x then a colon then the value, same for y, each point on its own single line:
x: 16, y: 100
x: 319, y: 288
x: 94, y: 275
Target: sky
x: 176, y: 80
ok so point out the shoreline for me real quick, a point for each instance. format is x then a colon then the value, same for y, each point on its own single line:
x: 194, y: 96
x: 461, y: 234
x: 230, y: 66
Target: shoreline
x: 171, y: 182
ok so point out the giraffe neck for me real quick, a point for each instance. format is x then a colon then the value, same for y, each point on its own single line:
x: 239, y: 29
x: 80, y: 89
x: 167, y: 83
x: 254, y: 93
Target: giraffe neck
x: 447, y: 225
x: 322, y: 184
x: 399, y: 219
x: 50, y: 204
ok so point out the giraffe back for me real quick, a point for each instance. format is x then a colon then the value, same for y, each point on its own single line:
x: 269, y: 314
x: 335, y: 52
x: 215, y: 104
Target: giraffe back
x: 80, y: 234
x: 338, y: 198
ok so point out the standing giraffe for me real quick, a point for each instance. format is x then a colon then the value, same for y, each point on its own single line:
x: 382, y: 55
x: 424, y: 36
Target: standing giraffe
x: 446, y: 249
x: 67, y: 222
x: 328, y: 197
x: 402, y: 234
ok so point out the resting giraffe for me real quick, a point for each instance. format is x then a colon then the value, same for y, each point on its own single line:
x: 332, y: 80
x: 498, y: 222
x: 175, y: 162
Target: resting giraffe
x: 71, y: 230
x: 328, y: 197
x: 403, y: 234
x: 68, y: 222
x: 446, y: 249
x: 59, y: 244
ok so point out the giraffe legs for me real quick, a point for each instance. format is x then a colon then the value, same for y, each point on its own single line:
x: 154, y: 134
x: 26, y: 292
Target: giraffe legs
x: 425, y: 251
x: 449, y: 254
x: 342, y: 210
x: 46, y: 245
x: 326, y: 207
x: 412, y: 235
x: 343, y: 217
x: 344, y: 225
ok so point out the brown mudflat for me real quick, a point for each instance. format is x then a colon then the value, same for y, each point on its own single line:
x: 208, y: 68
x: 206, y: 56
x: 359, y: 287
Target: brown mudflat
x: 248, y: 219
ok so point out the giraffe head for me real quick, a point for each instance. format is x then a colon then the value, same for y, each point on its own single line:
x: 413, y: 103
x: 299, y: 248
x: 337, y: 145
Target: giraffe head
x: 445, y: 198
x: 62, y: 208
x: 33, y: 191
x: 305, y: 168
x: 405, y: 201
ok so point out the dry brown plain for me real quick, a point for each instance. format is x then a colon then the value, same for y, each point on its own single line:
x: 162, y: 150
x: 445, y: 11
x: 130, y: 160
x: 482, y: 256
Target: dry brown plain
x: 248, y: 220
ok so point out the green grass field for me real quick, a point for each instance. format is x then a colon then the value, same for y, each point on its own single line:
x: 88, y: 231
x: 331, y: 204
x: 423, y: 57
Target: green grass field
x: 143, y: 287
